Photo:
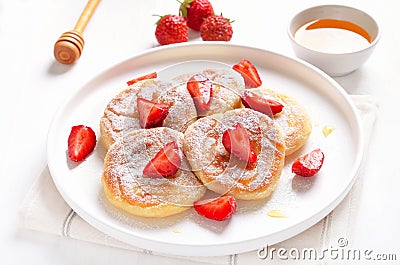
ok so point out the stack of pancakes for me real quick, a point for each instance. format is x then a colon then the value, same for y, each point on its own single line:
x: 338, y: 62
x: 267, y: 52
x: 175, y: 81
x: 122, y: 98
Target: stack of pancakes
x: 206, y: 164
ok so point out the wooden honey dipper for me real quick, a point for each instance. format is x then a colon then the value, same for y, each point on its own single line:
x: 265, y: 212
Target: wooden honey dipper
x: 68, y: 48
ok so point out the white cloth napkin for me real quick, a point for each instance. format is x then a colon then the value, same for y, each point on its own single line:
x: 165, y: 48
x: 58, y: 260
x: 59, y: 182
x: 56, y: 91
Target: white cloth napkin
x: 44, y: 210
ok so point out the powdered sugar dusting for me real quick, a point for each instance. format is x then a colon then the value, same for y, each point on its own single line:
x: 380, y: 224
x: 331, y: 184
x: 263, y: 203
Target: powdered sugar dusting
x: 123, y: 116
x: 125, y: 161
x: 227, y: 89
x: 182, y: 111
x: 217, y: 165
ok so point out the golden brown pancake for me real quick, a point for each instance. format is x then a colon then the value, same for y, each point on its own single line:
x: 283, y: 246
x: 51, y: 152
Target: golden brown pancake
x: 127, y: 188
x: 223, y: 172
x: 121, y: 115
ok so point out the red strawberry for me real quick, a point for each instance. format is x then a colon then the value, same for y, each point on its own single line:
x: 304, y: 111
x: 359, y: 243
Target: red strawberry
x: 195, y: 11
x: 165, y: 163
x: 151, y: 114
x: 249, y: 73
x: 144, y: 77
x: 218, y: 209
x: 200, y: 88
x: 216, y: 28
x: 256, y: 102
x: 172, y: 29
x: 309, y: 164
x: 81, y: 142
x: 237, y: 142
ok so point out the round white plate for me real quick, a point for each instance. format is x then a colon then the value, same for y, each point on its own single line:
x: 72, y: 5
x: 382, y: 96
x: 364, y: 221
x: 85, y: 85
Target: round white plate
x: 303, y: 200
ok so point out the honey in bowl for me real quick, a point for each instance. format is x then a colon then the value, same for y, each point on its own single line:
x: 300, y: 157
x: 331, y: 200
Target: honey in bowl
x: 333, y: 36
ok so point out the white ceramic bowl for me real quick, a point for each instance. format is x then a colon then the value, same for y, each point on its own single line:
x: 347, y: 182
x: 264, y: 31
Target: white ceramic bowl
x: 334, y: 64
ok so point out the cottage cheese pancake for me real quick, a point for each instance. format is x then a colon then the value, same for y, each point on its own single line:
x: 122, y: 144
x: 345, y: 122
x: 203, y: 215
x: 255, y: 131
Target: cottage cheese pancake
x: 226, y: 174
x: 121, y: 115
x: 127, y: 188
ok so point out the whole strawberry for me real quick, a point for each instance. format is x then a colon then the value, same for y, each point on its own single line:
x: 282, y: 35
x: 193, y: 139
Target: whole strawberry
x: 216, y: 28
x: 195, y: 11
x: 172, y: 29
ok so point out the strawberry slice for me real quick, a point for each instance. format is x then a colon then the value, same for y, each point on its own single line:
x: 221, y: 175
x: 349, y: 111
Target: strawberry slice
x: 81, y: 142
x: 151, y: 114
x: 200, y: 88
x: 237, y: 142
x: 218, y: 209
x: 249, y: 73
x: 309, y: 164
x: 256, y: 102
x: 165, y: 163
x: 144, y: 77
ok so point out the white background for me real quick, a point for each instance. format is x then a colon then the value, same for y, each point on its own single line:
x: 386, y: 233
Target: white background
x: 33, y: 85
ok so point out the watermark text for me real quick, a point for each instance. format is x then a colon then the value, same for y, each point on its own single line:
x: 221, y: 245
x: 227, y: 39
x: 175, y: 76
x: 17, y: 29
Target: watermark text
x: 340, y: 251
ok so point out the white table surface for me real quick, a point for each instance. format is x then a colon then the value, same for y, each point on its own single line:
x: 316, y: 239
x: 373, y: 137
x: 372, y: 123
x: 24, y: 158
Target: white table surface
x: 33, y: 85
